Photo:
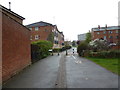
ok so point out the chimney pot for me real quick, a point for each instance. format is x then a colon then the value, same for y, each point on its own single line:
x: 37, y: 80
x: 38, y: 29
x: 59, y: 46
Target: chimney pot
x: 9, y: 5
x: 98, y: 26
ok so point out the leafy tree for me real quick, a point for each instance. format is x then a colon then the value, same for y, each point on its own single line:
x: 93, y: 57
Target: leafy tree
x: 51, y: 37
x: 88, y: 37
x: 99, y: 44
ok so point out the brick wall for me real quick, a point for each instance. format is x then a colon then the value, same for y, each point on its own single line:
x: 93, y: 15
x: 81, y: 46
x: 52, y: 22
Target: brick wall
x: 16, y: 47
x: 0, y: 48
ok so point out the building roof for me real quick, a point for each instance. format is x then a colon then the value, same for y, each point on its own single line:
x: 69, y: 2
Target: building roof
x: 41, y: 23
x: 55, y: 26
x: 11, y: 12
x: 108, y: 28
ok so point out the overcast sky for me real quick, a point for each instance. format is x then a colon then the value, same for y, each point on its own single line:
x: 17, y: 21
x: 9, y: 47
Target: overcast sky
x: 73, y: 17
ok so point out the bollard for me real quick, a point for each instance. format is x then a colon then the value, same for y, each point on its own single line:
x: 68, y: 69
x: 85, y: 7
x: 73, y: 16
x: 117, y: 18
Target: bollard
x: 66, y: 52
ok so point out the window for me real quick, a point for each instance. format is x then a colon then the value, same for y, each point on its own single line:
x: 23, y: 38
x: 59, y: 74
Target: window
x: 104, y: 32
x: 104, y: 37
x: 36, y: 37
x: 36, y: 28
x: 98, y: 32
x: 110, y: 32
x: 31, y: 37
x: 30, y: 29
x: 116, y: 37
x: 110, y: 37
x: 116, y: 31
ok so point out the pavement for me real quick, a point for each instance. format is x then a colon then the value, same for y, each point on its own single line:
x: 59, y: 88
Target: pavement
x: 63, y: 71
x: 41, y: 74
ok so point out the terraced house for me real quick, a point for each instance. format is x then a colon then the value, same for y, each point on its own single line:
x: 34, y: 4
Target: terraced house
x: 42, y: 31
x: 111, y: 34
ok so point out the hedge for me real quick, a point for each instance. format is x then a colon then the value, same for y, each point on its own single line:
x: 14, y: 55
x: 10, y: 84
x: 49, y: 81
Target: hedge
x: 105, y: 54
x: 40, y: 49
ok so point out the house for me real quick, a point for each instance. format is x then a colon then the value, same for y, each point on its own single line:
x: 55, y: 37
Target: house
x: 58, y: 38
x: 16, y: 53
x: 42, y: 30
x: 111, y: 34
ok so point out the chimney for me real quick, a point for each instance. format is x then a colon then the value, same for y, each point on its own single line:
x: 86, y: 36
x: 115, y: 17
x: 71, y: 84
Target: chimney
x: 98, y: 26
x: 9, y: 5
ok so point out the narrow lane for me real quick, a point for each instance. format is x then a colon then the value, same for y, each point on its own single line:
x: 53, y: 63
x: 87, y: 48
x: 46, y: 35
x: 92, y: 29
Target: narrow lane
x: 63, y: 71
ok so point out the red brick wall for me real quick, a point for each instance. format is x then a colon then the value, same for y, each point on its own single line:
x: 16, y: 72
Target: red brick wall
x: 43, y: 32
x: 16, y: 47
x: 0, y: 48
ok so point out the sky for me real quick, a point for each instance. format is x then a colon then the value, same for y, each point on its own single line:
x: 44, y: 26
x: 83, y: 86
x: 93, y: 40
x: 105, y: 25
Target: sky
x: 72, y: 17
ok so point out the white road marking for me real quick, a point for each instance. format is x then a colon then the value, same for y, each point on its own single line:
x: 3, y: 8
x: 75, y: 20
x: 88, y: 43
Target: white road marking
x: 78, y: 62
x: 73, y: 57
x: 86, y: 78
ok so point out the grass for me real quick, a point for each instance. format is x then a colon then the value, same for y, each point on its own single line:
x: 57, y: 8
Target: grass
x: 109, y: 64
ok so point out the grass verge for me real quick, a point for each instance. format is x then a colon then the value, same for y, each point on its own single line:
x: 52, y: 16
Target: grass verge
x: 110, y: 64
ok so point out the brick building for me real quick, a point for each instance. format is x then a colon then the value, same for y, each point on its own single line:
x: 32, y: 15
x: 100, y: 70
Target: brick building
x: 58, y: 38
x: 16, y: 53
x: 41, y: 31
x: 111, y: 34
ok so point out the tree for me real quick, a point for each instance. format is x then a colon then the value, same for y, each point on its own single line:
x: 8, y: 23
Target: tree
x: 51, y: 37
x: 88, y: 37
x: 99, y: 44
x: 73, y: 43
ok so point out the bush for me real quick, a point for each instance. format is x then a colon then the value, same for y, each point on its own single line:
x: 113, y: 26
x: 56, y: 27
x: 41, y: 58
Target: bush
x: 40, y: 49
x: 105, y: 54
x: 81, y: 48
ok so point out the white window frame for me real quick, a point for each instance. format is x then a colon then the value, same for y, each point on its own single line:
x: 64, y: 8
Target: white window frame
x: 31, y: 37
x: 105, y: 38
x: 36, y: 37
x: 98, y: 32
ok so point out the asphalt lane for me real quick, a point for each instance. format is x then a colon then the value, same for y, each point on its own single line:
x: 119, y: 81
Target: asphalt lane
x: 82, y: 73
x: 41, y: 74
x: 63, y: 71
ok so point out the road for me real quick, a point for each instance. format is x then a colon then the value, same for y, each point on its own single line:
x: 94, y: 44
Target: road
x: 63, y: 71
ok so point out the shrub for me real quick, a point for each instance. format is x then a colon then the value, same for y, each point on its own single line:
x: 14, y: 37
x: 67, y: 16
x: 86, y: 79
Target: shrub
x: 40, y: 49
x: 81, y: 48
x: 105, y: 54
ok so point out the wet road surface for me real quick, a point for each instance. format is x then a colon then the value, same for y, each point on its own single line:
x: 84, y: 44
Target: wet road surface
x: 63, y: 71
